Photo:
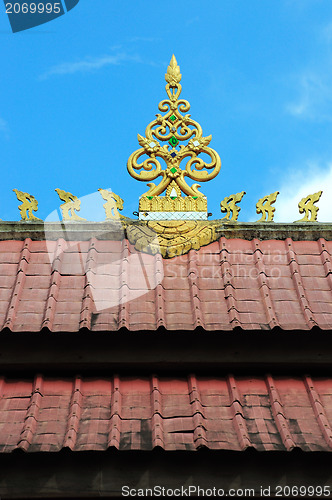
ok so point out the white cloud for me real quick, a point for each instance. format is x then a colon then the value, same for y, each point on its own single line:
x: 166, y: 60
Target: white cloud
x: 315, y: 97
x: 192, y: 20
x: 4, y: 128
x: 327, y: 32
x: 88, y: 64
x: 300, y: 184
x: 312, y: 84
x: 147, y: 39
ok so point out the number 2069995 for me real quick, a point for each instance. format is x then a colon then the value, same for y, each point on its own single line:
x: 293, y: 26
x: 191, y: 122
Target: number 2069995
x: 33, y: 8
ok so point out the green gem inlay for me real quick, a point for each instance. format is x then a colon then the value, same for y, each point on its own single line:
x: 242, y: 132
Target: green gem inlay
x: 195, y: 197
x: 149, y: 197
x: 173, y: 170
x: 173, y: 118
x: 173, y: 197
x: 173, y: 141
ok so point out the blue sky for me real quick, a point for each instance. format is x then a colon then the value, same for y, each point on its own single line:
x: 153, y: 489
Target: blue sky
x: 258, y: 75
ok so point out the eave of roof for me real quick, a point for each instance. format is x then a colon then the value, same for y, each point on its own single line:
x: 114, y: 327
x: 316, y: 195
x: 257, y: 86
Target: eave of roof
x: 141, y: 413
x: 115, y: 230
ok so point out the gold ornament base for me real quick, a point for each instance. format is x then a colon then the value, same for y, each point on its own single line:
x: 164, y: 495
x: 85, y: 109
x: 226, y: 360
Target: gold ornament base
x: 176, y: 204
x: 157, y: 216
x: 171, y: 238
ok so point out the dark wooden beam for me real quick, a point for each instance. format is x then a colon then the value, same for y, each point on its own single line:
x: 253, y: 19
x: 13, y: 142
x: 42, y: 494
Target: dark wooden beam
x: 146, y: 352
x: 104, y: 474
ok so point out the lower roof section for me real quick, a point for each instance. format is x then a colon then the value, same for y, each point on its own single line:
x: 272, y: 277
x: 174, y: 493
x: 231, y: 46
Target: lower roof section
x: 188, y: 413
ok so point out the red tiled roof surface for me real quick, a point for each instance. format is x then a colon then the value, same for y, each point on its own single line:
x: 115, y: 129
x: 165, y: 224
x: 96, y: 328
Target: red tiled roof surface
x: 265, y: 413
x: 106, y: 285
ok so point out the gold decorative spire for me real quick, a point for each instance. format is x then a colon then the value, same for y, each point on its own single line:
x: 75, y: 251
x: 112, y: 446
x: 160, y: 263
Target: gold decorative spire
x: 163, y: 139
x: 173, y: 75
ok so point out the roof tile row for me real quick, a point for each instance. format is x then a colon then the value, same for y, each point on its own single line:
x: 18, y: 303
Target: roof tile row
x: 106, y: 285
x: 266, y: 413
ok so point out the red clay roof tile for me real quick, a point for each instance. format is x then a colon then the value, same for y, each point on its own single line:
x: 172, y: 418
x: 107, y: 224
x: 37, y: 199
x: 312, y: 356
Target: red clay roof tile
x: 271, y: 413
x: 106, y: 285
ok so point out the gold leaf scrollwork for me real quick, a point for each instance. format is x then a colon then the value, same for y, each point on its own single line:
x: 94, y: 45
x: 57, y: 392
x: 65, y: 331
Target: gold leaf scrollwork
x: 307, y: 206
x: 163, y: 138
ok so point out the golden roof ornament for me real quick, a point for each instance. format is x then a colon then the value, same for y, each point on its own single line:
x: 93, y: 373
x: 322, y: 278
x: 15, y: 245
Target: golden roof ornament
x: 113, y: 204
x: 29, y: 204
x: 71, y: 205
x: 264, y: 207
x: 308, y: 207
x: 163, y: 139
x: 229, y: 204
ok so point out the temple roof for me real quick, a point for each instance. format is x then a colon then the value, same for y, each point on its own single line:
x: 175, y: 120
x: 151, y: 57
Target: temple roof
x: 140, y: 413
x: 106, y: 284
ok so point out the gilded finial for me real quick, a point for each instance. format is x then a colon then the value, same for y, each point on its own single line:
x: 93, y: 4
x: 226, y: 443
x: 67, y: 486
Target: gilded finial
x: 307, y: 206
x: 229, y: 205
x: 71, y: 204
x: 113, y: 204
x: 173, y: 75
x: 264, y: 207
x: 163, y: 139
x: 29, y: 204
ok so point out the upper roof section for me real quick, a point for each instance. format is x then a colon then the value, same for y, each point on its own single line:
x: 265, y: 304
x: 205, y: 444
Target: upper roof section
x: 104, y: 285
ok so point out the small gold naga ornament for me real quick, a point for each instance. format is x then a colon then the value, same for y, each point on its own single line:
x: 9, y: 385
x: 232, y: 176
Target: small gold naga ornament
x: 229, y: 204
x: 29, y: 204
x: 163, y: 138
x: 307, y: 206
x: 71, y: 204
x: 113, y: 204
x: 264, y: 207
